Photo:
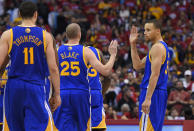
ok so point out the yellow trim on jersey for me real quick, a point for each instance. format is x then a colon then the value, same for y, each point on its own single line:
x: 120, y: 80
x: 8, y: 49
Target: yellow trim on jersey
x: 102, y: 124
x: 84, y: 58
x: 49, y: 127
x: 44, y: 40
x: 140, y: 122
x: 89, y: 125
x: 11, y: 41
x: 149, y: 57
x: 145, y: 123
x: 98, y: 54
x: 1, y: 123
x: 149, y: 125
x: 5, y: 125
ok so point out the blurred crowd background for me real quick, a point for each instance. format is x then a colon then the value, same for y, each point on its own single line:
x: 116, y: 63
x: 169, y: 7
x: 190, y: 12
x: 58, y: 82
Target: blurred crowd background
x: 104, y: 20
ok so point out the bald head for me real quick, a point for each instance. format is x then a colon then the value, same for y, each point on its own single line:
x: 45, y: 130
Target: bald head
x: 73, y: 31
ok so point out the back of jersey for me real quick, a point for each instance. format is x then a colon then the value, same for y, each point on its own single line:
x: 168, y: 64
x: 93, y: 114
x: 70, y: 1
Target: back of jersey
x: 27, y: 54
x: 93, y: 75
x: 73, y: 68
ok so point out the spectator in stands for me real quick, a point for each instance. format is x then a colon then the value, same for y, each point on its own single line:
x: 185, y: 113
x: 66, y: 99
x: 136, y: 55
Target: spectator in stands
x: 188, y: 113
x: 111, y: 93
x: 126, y: 99
x: 111, y: 114
x: 178, y: 97
x: 156, y: 11
x: 124, y: 12
x: 125, y: 112
x: 52, y: 18
x: 174, y: 115
x: 187, y: 82
x: 135, y: 113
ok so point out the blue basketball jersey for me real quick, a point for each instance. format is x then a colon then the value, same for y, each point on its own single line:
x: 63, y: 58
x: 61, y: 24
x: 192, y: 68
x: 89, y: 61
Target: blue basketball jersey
x: 93, y: 75
x: 27, y: 54
x: 73, y: 68
x: 163, y: 77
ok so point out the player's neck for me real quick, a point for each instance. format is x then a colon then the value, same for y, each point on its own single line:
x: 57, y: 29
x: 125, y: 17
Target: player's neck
x: 73, y: 41
x: 28, y: 23
x: 157, y: 39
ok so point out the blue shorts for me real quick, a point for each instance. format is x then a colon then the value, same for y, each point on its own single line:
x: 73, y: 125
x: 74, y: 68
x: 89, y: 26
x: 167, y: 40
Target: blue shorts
x: 98, y: 114
x: 74, y: 112
x: 154, y: 120
x: 26, y: 108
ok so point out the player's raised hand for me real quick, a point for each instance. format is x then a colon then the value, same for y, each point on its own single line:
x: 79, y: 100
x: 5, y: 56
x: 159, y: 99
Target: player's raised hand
x: 112, y: 49
x: 133, y: 35
x: 55, y: 102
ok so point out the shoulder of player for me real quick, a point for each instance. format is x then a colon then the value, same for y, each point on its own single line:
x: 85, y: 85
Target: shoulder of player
x: 48, y: 36
x: 86, y: 49
x: 158, y: 47
x: 6, y: 34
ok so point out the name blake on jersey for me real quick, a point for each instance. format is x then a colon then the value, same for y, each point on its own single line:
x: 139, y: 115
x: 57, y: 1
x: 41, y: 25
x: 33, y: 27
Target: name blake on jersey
x: 26, y: 38
x: 70, y: 55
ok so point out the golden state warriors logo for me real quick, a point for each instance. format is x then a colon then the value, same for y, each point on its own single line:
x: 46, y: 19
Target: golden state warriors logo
x: 69, y: 48
x: 27, y: 30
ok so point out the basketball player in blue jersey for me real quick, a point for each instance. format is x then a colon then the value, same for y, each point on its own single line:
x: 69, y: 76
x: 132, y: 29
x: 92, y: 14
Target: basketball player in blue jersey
x: 153, y: 95
x: 97, y: 114
x: 74, y: 112
x: 28, y: 47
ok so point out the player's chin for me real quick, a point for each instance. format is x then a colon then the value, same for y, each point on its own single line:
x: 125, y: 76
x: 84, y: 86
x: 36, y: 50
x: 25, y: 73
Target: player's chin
x: 146, y: 39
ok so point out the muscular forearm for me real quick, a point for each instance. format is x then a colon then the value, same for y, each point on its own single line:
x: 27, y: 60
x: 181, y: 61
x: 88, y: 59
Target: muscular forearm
x: 55, y: 81
x: 108, y: 67
x: 135, y: 58
x: 152, y: 85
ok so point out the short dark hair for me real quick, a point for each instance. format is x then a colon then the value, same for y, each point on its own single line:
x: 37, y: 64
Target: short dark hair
x: 73, y: 30
x: 27, y: 9
x: 156, y: 23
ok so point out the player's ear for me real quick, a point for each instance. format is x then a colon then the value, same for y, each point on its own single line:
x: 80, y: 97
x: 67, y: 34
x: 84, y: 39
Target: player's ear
x: 158, y: 31
x: 35, y: 15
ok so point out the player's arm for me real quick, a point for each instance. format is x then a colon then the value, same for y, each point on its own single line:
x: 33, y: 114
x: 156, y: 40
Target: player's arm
x: 56, y: 54
x: 55, y: 100
x: 4, y: 47
x: 157, y: 52
x: 106, y: 80
x: 96, y: 64
x: 3, y: 67
x: 57, y: 59
x: 137, y: 62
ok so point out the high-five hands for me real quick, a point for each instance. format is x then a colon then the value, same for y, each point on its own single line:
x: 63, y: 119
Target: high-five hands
x: 112, y: 49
